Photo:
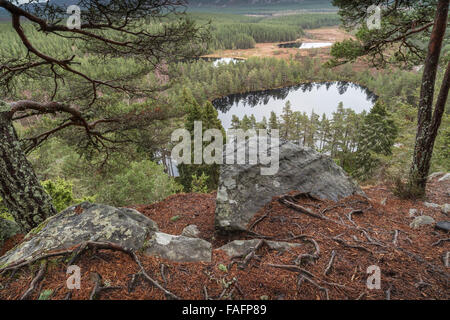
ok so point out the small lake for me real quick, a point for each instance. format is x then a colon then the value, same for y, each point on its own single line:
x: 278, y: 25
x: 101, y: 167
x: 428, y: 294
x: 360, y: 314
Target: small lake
x: 321, y: 97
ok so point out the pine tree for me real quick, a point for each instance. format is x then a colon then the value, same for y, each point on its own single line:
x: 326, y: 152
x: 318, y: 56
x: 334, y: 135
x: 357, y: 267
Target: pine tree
x: 377, y: 136
x: 287, y: 125
x: 273, y: 121
x: 208, y: 115
x: 235, y: 122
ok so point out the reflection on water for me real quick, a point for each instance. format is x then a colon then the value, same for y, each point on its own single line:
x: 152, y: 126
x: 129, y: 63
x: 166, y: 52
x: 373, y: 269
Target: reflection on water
x: 321, y: 97
x: 315, y: 45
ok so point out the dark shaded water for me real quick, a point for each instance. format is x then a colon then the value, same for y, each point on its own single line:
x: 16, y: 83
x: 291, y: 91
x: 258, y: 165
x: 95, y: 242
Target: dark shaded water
x: 290, y: 45
x: 321, y: 97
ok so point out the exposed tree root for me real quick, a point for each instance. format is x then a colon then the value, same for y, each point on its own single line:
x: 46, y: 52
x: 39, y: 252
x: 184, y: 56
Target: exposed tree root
x: 395, y: 241
x: 99, y: 287
x: 345, y: 244
x: 292, y: 268
x: 287, y: 201
x: 251, y: 254
x: 77, y: 251
x: 440, y: 241
x: 306, y: 278
x: 309, y: 257
x: 330, y: 263
x: 36, y: 280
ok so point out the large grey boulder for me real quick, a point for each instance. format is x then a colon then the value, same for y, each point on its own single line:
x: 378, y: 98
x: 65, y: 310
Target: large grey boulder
x: 240, y: 248
x: 178, y: 248
x: 243, y: 190
x: 8, y: 229
x: 85, y: 222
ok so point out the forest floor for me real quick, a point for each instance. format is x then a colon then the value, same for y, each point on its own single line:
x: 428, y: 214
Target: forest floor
x: 357, y: 232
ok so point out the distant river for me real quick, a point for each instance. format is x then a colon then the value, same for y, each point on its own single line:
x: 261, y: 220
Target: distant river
x: 321, y: 97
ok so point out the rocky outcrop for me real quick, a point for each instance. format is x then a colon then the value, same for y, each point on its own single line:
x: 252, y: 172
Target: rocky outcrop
x: 243, y: 190
x: 95, y: 222
x: 8, y: 229
x: 240, y: 248
x: 178, y: 248
x: 85, y: 222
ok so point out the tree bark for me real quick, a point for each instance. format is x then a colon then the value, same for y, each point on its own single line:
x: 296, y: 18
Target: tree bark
x: 428, y: 124
x: 22, y: 194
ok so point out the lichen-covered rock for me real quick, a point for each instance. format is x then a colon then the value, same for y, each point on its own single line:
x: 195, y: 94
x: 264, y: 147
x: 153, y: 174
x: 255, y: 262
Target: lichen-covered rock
x: 243, y: 190
x: 178, y: 248
x: 94, y: 222
x: 445, y: 208
x: 8, y: 229
x: 240, y: 248
x: 421, y: 221
x: 191, y: 231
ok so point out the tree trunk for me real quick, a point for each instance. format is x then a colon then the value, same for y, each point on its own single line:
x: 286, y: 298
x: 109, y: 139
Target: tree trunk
x: 428, y: 124
x: 20, y: 189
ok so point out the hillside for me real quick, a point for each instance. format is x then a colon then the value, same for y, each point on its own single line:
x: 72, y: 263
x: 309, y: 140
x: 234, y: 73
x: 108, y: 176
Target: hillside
x: 376, y: 232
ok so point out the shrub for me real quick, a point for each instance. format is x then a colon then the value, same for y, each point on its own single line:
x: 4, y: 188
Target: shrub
x: 199, y: 184
x: 142, y: 183
x: 61, y: 192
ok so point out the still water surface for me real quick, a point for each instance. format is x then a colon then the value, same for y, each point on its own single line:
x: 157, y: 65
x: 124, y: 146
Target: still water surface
x: 321, y: 97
